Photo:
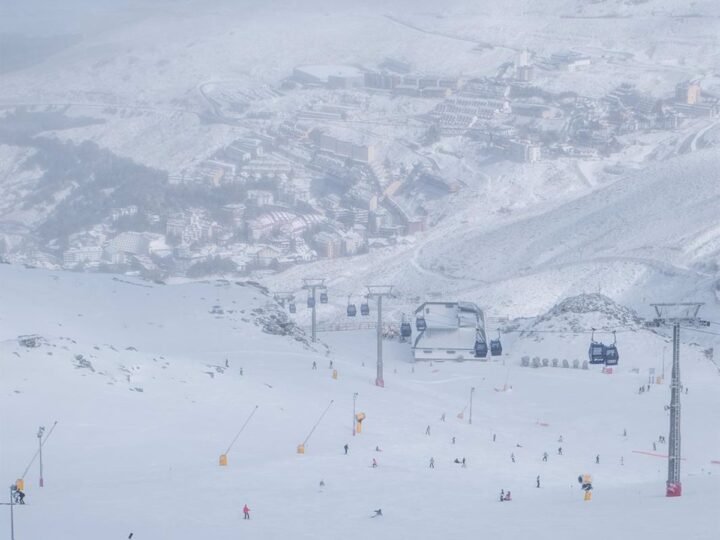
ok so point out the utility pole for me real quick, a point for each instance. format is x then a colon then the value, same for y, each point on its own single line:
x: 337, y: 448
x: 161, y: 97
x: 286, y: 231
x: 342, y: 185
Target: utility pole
x: 674, y: 315
x: 472, y: 391
x: 355, y: 395
x: 12, y: 517
x: 40, y: 432
x: 312, y: 284
x: 379, y: 291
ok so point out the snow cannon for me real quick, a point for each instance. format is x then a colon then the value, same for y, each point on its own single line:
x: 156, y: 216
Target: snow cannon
x: 223, y: 460
x: 300, y: 448
x: 359, y: 417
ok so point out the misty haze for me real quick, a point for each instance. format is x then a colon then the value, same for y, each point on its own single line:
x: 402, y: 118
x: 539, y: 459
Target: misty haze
x: 359, y: 269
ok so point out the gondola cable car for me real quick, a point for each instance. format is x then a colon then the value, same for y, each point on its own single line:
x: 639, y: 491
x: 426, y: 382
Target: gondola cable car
x: 351, y: 309
x: 596, y: 352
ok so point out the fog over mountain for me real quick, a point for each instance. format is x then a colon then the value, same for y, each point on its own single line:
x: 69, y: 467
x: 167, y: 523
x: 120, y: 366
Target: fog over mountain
x: 225, y: 178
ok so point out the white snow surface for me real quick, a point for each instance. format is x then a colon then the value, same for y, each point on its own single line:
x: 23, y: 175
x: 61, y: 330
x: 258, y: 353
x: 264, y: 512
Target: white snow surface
x: 123, y: 460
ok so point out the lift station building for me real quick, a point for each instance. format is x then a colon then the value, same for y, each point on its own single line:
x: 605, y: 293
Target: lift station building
x: 451, y: 330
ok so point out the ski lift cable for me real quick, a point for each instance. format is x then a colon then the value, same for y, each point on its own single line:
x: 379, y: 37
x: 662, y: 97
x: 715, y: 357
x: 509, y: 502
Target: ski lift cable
x: 693, y: 329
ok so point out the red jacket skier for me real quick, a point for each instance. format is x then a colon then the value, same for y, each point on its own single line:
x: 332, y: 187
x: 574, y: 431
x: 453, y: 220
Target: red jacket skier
x: 246, y: 512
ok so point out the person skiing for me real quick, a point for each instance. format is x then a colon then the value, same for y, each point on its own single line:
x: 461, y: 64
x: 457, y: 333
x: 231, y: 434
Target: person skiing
x: 624, y: 432
x: 331, y: 364
x: 19, y: 496
x: 545, y: 456
x: 597, y: 459
x: 432, y: 463
x: 322, y: 483
x: 377, y: 513
x: 560, y: 451
x: 377, y: 449
x: 241, y: 372
x: 246, y: 512
x: 512, y: 456
x: 464, y: 465
x: 314, y: 364
x: 537, y: 480
x: 427, y: 430
x: 346, y: 447
x: 374, y: 463
x: 654, y: 446
x: 442, y: 417
x: 502, y: 495
x: 227, y: 364
x: 508, y: 497
x: 453, y: 440
x: 494, y: 437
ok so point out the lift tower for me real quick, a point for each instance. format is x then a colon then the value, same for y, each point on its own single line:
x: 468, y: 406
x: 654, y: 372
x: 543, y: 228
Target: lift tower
x: 675, y: 315
x: 380, y: 291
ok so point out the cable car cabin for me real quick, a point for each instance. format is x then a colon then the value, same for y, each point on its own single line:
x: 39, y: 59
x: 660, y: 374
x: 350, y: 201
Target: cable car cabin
x: 495, y: 347
x: 292, y: 307
x: 323, y: 298
x: 311, y: 302
x: 612, y: 356
x: 405, y: 330
x: 596, y: 353
x: 481, y: 349
x: 351, y: 310
x: 364, y: 309
x: 420, y: 324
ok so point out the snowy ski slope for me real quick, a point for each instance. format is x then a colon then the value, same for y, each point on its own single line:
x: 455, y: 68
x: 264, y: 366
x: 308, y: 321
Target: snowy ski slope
x: 123, y: 460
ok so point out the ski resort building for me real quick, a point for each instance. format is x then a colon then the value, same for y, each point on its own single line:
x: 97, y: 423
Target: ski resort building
x: 450, y: 331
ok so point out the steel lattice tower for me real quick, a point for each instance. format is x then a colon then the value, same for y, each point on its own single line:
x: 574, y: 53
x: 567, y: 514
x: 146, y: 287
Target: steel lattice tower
x: 688, y: 316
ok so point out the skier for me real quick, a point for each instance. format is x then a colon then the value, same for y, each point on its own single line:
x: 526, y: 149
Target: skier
x: 330, y: 366
x: 512, y: 456
x: 545, y: 456
x: 432, y: 463
x: 377, y: 449
x: 322, y: 484
x: 442, y: 418
x: 622, y: 460
x: 378, y: 512
x: 227, y: 364
x: 597, y: 459
x: 453, y: 440
x: 427, y: 430
x: 654, y: 446
x: 374, y: 464
x: 314, y: 366
x: 19, y: 496
x: 457, y: 460
x: 560, y: 451
x: 346, y: 447
x: 537, y: 480
x: 494, y: 437
x: 624, y: 432
x: 508, y: 497
x: 241, y: 372
x: 464, y: 465
x: 246, y: 512
x: 502, y: 495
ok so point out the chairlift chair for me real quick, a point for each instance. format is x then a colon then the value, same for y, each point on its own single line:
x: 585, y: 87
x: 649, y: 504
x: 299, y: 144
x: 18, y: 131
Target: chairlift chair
x: 481, y: 349
x: 405, y: 329
x: 596, y: 352
x: 351, y: 309
x: 420, y: 323
x: 612, y: 356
